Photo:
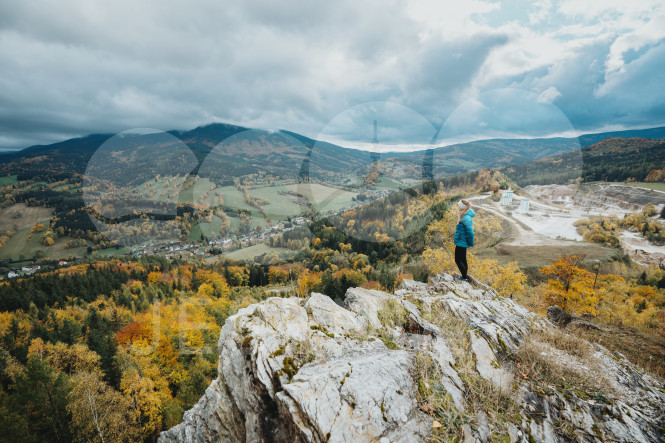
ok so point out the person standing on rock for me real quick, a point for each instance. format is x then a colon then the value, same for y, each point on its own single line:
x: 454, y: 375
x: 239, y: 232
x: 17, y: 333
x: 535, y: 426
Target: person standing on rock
x: 464, y: 236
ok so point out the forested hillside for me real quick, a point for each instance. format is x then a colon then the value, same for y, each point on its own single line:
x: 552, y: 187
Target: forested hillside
x: 615, y: 159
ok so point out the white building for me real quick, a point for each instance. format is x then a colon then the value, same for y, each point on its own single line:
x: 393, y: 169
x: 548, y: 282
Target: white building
x: 524, y: 205
x: 507, y: 197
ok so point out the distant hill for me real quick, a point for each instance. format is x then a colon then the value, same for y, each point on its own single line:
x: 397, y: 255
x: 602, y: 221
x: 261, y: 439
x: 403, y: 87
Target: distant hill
x: 283, y: 153
x: 250, y: 152
x: 613, y: 159
x: 650, y: 133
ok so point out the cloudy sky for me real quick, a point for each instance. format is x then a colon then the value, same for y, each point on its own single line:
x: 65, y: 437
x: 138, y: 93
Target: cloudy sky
x: 427, y: 70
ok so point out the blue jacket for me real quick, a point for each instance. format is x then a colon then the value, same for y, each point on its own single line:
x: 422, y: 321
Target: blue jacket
x: 464, y: 231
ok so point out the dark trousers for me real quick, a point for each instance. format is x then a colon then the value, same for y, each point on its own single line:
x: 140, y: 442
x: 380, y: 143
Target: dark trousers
x: 460, y: 260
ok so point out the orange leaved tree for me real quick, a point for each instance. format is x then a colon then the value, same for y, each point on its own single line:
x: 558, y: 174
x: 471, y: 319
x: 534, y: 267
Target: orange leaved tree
x: 571, y: 287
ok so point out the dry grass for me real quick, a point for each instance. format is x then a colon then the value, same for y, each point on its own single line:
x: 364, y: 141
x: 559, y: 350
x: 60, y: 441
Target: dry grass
x: 433, y: 399
x: 393, y: 315
x: 640, y: 348
x: 553, y: 360
x: 531, y: 299
x: 564, y: 342
x: 548, y: 361
x: 542, y: 255
x: 480, y: 394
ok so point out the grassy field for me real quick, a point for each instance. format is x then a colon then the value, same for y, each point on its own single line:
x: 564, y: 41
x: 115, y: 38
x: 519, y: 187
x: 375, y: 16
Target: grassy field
x: 202, y: 186
x: 230, y: 197
x: 655, y: 186
x: 532, y: 256
x: 20, y: 245
x: 58, y: 250
x: 212, y: 198
x: 8, y: 180
x: 324, y: 198
x: 21, y: 216
x: 209, y: 230
x: 34, y: 186
x: 253, y: 251
x: 235, y: 223
x: 460, y: 162
x: 281, y: 206
x: 111, y: 251
x: 389, y: 183
x: 234, y: 198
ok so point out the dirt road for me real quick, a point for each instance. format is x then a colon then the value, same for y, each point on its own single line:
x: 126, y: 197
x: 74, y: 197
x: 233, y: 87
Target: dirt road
x: 523, y: 234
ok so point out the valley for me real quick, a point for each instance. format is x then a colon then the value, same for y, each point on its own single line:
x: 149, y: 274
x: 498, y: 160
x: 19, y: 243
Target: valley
x: 132, y: 272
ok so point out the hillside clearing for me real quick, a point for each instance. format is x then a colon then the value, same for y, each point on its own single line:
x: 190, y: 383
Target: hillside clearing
x: 654, y: 186
x: 252, y: 251
x: 20, y: 215
x: 8, y: 180
x: 324, y: 198
x: 19, y: 247
x: 281, y: 206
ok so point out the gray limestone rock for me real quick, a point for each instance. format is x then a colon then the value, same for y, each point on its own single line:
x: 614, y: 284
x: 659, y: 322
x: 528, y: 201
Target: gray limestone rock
x: 312, y: 370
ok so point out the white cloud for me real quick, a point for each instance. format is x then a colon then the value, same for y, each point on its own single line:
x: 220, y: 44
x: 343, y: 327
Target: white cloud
x: 541, y: 13
x: 449, y: 19
x: 635, y: 25
x: 549, y: 95
x: 79, y: 67
x: 651, y: 32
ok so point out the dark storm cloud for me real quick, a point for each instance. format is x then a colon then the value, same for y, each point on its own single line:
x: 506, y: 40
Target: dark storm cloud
x: 71, y: 68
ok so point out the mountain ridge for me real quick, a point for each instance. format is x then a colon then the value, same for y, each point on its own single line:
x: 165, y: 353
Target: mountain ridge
x: 286, y: 152
x: 584, y: 139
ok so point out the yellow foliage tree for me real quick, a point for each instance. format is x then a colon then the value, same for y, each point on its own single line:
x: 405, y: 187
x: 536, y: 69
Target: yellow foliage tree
x: 205, y: 290
x: 154, y: 277
x: 277, y: 274
x: 572, y: 286
x: 69, y: 359
x: 99, y: 413
x: 145, y: 403
x: 39, y: 227
x: 308, y: 281
x: 215, y: 280
x: 237, y: 275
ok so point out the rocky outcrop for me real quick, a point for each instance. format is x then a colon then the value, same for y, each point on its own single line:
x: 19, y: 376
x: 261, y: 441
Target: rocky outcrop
x: 558, y: 316
x: 313, y: 370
